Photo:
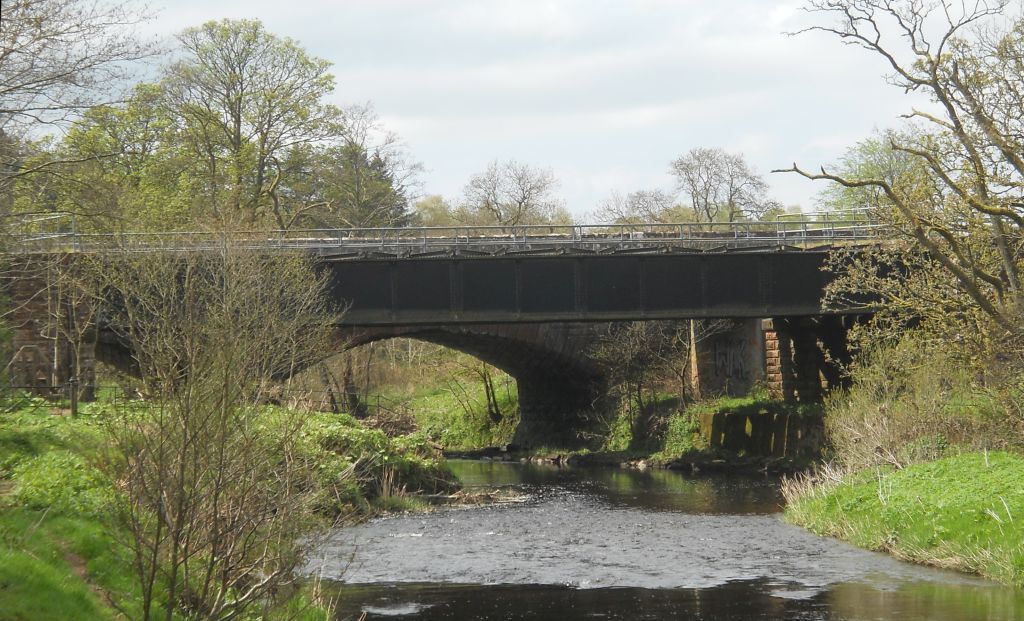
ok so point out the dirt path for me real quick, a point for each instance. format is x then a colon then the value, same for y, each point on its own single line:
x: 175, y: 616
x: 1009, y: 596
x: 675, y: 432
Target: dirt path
x: 80, y: 567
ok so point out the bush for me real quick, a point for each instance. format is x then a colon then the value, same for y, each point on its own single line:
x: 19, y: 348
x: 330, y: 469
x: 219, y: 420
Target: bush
x: 910, y: 403
x: 457, y: 417
x: 358, y: 465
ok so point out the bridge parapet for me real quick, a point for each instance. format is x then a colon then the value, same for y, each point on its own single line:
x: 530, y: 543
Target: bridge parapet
x: 811, y: 232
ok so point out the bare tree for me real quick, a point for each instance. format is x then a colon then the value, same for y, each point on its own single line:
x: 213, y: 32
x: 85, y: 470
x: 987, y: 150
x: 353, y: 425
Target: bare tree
x: 964, y: 205
x: 58, y: 58
x: 215, y: 499
x: 721, y: 186
x: 510, y: 193
x: 639, y: 207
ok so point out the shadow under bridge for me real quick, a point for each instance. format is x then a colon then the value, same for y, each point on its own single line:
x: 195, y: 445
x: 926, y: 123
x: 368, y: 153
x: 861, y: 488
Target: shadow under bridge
x: 559, y: 385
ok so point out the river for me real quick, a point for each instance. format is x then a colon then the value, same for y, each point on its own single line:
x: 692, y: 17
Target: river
x: 622, y: 544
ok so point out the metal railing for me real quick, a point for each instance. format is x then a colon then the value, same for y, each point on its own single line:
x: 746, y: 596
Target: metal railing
x: 802, y: 232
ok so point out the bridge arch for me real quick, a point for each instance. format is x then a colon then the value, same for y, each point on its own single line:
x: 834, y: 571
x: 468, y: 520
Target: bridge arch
x: 559, y: 385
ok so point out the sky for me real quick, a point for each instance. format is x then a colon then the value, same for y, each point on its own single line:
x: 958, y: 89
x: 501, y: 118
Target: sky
x: 605, y: 94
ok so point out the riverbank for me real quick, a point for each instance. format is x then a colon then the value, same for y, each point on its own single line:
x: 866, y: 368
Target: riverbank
x: 964, y: 512
x: 742, y: 435
x: 694, y: 461
x: 61, y: 555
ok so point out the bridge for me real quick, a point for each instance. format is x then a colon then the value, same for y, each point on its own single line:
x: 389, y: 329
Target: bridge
x: 529, y: 299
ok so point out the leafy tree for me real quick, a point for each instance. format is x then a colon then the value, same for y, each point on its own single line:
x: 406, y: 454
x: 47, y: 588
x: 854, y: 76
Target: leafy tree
x: 951, y: 183
x: 123, y: 169
x: 235, y: 133
x: 362, y: 179
x: 242, y: 97
x: 434, y: 210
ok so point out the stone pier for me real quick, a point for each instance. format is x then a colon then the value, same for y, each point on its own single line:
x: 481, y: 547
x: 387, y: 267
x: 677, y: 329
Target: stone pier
x: 52, y: 333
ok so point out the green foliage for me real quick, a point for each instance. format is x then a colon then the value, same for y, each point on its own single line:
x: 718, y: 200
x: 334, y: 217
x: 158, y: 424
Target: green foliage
x: 30, y: 430
x: 32, y: 588
x: 620, y: 432
x: 236, y: 132
x: 682, y: 435
x: 964, y: 512
x: 456, y: 416
x: 62, y: 481
x: 947, y: 183
x: 658, y: 427
x: 666, y: 433
x: 245, y: 133
x: 353, y: 184
x: 62, y: 567
x: 913, y: 402
x: 434, y: 210
x: 383, y: 466
x: 913, y: 474
x: 60, y: 558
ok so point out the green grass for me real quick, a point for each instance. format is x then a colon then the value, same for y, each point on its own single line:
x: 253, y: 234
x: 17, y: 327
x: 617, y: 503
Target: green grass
x: 964, y: 512
x: 51, y: 514
x: 36, y: 574
x: 682, y: 435
x: 61, y: 556
x: 443, y: 416
x: 660, y: 428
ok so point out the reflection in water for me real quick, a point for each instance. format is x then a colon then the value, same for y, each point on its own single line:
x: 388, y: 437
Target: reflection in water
x: 617, y: 544
x: 652, y: 490
x: 745, y: 600
x: 925, y: 600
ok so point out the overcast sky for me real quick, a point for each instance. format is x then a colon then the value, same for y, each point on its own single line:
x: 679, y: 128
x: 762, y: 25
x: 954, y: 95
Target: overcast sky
x: 605, y: 93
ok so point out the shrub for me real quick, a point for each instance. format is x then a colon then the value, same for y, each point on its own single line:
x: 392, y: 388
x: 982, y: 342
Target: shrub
x: 911, y: 403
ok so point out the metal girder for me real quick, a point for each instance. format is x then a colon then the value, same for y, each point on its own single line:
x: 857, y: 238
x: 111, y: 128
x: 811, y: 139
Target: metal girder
x: 578, y: 287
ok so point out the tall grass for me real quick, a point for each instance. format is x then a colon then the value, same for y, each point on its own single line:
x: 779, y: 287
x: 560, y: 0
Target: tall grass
x: 911, y: 403
x: 963, y: 512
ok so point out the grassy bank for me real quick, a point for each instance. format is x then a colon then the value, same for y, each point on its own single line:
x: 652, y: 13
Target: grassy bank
x: 61, y: 555
x: 927, y: 462
x: 964, y: 512
x: 456, y: 417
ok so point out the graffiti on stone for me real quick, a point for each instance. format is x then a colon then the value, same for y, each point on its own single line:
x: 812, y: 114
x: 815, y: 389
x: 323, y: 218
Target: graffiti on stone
x: 731, y: 359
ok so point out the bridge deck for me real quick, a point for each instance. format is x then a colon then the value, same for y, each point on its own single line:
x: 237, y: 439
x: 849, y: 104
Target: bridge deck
x: 465, y: 275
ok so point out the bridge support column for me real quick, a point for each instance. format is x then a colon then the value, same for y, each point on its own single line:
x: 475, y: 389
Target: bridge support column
x: 727, y: 362
x: 804, y: 356
x: 52, y: 335
x: 554, y: 410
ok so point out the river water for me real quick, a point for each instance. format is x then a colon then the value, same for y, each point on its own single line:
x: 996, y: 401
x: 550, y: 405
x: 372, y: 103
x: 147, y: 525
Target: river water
x: 621, y: 544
